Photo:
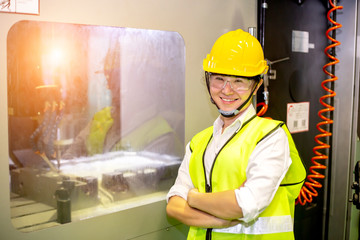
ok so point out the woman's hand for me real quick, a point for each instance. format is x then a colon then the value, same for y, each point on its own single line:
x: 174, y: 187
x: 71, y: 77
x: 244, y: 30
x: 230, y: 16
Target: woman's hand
x: 191, y: 196
x: 179, y: 209
x: 219, y: 204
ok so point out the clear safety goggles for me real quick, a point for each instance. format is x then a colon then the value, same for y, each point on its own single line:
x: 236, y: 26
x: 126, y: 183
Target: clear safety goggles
x: 219, y: 81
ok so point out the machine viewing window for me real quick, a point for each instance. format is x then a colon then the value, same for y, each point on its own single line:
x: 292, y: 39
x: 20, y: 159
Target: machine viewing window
x: 96, y: 120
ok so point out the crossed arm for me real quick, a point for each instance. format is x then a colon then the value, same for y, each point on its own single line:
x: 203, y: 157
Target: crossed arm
x: 206, y: 210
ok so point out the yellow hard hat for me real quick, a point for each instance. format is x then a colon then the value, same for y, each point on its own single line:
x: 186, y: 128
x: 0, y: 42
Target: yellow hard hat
x: 236, y: 53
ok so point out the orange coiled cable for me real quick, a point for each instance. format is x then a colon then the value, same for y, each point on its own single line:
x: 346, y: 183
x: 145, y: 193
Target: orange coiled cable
x: 308, y: 190
x: 263, y: 109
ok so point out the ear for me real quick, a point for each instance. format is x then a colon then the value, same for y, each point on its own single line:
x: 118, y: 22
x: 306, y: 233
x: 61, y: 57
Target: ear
x: 258, y: 86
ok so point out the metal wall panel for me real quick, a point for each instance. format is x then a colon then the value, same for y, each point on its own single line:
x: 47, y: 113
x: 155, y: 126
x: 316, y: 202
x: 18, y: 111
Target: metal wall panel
x: 344, y: 116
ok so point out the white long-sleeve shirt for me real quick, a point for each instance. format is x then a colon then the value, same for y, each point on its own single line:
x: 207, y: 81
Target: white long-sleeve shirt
x: 266, y: 168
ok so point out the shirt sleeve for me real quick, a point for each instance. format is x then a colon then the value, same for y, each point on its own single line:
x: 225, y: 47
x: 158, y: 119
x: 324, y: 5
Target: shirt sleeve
x: 183, y: 183
x: 266, y: 169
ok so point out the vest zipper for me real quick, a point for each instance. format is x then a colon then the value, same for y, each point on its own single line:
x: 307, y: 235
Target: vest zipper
x: 208, y: 233
x: 208, y: 188
x: 212, y: 167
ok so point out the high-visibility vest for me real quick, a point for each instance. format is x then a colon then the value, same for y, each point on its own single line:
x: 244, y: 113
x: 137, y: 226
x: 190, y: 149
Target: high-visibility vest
x: 100, y: 125
x: 139, y: 138
x: 229, y: 172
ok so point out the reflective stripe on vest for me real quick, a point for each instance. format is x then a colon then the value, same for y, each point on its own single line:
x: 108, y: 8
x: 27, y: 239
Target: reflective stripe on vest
x: 263, y: 225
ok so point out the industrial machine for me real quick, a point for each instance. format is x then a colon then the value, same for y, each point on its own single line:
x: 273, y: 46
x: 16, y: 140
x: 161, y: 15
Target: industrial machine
x: 78, y: 154
x: 57, y: 60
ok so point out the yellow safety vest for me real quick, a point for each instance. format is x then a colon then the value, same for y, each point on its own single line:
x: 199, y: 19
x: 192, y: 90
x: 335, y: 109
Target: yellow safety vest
x: 139, y: 138
x: 100, y: 125
x: 229, y: 172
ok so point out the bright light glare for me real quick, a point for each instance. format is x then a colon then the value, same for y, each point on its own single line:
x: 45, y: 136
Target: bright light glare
x: 56, y: 56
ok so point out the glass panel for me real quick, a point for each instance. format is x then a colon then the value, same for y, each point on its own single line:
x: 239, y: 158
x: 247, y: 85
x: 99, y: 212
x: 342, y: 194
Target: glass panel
x: 96, y: 119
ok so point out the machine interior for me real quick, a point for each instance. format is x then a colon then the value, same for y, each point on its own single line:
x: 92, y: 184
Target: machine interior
x: 96, y: 119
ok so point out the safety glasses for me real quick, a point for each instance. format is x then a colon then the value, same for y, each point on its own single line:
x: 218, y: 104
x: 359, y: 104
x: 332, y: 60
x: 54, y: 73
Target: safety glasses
x: 219, y: 81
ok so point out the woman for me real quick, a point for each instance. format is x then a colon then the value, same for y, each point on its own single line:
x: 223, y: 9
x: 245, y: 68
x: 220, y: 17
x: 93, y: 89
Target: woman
x: 239, y: 178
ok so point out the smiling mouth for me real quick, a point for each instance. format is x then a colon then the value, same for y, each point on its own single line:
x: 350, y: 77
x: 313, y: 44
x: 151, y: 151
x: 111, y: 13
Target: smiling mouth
x: 229, y: 100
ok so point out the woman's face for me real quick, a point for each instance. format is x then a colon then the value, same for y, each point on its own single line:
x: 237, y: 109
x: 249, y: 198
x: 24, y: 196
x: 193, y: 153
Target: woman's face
x: 230, y: 92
